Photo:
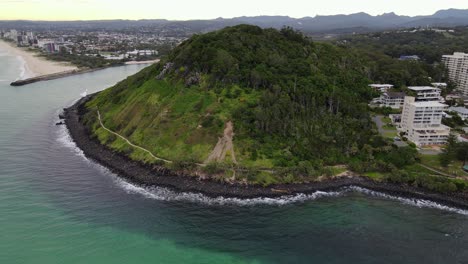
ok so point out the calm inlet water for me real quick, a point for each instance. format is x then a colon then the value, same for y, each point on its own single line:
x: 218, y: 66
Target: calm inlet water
x: 58, y: 207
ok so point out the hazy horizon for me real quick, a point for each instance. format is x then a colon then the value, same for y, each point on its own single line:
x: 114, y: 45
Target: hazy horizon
x: 72, y: 10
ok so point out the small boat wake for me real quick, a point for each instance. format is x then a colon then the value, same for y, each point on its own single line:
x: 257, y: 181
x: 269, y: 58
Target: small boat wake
x: 166, y: 194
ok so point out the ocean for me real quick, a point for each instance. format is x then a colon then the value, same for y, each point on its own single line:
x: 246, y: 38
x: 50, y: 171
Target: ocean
x: 56, y: 206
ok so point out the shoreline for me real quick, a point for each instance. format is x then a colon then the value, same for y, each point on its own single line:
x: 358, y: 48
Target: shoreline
x: 33, y: 65
x: 151, y: 175
x: 142, y: 62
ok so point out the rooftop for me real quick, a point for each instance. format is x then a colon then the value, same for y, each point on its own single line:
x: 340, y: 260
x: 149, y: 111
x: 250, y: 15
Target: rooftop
x: 428, y: 104
x: 422, y: 88
x: 456, y: 54
x: 395, y: 94
x: 380, y: 85
x: 459, y: 109
x: 439, y: 84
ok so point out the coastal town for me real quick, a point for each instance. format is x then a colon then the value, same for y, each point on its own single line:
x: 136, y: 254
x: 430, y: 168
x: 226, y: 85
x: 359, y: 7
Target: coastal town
x: 246, y: 132
x: 426, y: 115
x: 92, y: 49
x: 421, y: 115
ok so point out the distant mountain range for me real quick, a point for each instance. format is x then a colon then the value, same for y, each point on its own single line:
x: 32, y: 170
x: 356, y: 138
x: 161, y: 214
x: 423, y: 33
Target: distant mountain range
x: 358, y: 22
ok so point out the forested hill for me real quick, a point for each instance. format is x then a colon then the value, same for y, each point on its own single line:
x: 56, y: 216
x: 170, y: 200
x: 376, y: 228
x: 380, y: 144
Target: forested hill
x: 293, y: 103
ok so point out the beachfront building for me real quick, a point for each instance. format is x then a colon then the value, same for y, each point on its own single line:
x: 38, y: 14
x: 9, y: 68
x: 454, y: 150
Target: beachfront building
x: 422, y: 122
x: 394, y: 100
x: 381, y: 87
x: 457, y: 66
x: 461, y: 111
x: 426, y: 93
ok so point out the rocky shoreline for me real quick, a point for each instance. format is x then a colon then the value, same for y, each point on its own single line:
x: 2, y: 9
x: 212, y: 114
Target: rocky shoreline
x: 150, y: 175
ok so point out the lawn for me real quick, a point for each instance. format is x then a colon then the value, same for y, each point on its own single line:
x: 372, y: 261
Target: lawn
x: 454, y: 168
x: 375, y: 175
x: 386, y: 119
x: 390, y: 134
x: 389, y: 127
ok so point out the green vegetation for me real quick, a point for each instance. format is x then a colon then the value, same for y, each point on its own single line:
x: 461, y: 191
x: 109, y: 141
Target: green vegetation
x: 82, y: 61
x: 428, y: 45
x: 384, y: 49
x: 298, y: 108
x: 430, y: 182
x: 455, y: 154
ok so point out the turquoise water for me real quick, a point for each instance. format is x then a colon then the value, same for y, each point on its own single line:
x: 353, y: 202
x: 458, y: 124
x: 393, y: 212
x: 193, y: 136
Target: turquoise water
x: 58, y: 207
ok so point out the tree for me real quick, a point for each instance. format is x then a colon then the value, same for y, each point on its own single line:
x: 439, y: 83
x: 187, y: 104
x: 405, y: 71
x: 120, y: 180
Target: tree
x: 462, y: 152
x: 449, y: 152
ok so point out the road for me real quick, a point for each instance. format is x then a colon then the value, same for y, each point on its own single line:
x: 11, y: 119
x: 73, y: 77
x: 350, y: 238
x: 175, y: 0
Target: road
x: 380, y: 126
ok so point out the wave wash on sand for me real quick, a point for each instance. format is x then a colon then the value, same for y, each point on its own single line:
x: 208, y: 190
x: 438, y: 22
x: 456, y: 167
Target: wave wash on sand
x: 34, y: 65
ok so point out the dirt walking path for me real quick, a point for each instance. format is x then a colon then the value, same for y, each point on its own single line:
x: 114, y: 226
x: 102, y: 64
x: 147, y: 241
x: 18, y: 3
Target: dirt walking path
x: 224, y: 146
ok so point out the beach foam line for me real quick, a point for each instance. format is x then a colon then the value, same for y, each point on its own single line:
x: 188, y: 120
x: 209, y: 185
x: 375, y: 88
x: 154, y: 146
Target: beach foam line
x: 421, y: 203
x: 165, y: 194
x: 64, y: 138
x: 25, y: 72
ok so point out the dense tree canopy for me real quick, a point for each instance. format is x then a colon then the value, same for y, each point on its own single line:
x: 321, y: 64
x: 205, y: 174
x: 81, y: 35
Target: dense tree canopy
x: 384, y: 48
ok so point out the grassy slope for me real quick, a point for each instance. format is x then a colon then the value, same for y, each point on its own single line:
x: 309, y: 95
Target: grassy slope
x: 173, y: 122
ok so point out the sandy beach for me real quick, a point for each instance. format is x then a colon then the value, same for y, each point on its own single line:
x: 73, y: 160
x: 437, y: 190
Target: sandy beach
x: 33, y: 65
x: 142, y: 62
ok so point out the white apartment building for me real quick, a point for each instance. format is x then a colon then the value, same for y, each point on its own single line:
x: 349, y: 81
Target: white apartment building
x: 422, y: 122
x: 381, y: 87
x: 457, y: 65
x: 426, y: 93
x: 394, y: 100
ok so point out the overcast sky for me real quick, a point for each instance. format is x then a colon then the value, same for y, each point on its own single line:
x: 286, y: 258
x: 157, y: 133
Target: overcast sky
x: 208, y: 9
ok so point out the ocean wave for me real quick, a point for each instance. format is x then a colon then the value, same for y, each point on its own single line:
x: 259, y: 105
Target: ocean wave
x: 22, y: 68
x: 65, y: 139
x: 421, y: 203
x: 165, y: 194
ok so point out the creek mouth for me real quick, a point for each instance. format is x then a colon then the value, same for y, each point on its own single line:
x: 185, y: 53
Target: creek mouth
x: 156, y: 176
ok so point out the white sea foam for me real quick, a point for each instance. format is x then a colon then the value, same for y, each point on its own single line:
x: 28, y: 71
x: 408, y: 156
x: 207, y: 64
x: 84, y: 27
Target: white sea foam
x: 165, y: 194
x: 65, y: 139
x: 23, y: 67
x: 421, y: 203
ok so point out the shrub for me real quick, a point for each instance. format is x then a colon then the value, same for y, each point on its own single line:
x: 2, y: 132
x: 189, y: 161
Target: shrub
x: 213, y: 168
